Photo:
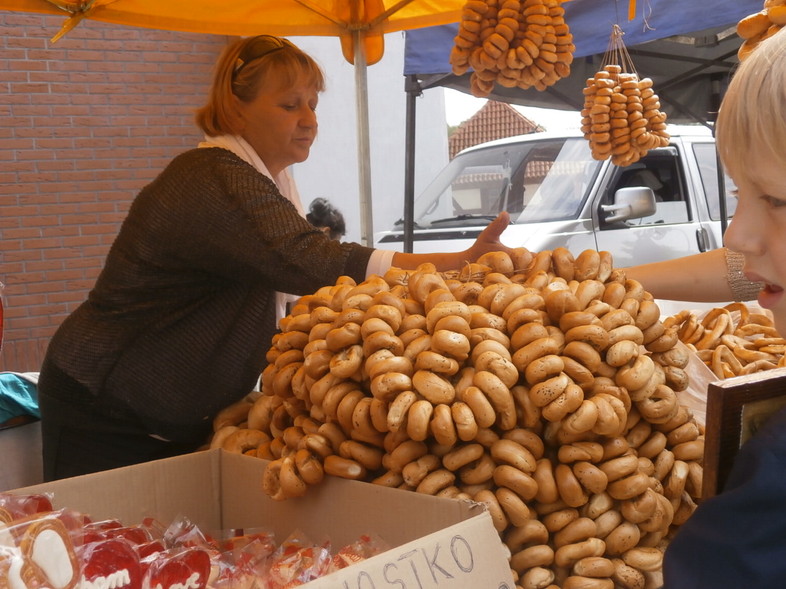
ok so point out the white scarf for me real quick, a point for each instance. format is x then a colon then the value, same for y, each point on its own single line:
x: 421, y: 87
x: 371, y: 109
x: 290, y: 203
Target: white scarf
x: 284, y: 181
x: 242, y: 149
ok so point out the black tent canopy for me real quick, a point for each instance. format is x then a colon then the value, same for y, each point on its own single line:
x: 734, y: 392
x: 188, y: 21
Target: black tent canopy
x: 687, y: 49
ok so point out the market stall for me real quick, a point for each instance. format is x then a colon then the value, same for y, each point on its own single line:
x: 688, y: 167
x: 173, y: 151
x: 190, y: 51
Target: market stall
x: 531, y: 419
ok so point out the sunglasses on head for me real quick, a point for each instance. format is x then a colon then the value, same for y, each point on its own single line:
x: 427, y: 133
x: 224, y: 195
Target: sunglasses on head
x: 257, y: 48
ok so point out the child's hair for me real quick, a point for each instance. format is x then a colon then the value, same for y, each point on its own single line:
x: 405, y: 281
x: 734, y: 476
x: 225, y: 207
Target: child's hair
x: 322, y: 214
x: 752, y: 119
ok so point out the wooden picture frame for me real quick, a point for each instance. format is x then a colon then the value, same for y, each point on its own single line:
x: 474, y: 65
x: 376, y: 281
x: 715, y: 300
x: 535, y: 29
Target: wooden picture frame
x: 736, y: 407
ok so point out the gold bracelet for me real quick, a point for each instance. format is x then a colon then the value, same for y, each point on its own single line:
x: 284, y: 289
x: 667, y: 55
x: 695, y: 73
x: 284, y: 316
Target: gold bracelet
x: 742, y: 289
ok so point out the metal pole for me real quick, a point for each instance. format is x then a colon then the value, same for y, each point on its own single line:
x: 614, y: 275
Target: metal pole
x: 412, y: 89
x: 364, y: 152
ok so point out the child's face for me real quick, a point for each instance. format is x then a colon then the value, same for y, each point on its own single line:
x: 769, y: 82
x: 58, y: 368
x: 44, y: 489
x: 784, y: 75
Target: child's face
x: 758, y: 229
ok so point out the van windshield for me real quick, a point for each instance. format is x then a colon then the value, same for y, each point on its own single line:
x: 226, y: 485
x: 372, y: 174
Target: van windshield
x: 535, y: 181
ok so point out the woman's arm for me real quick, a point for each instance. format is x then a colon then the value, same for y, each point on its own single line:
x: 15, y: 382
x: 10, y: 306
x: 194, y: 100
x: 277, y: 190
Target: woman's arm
x: 487, y: 241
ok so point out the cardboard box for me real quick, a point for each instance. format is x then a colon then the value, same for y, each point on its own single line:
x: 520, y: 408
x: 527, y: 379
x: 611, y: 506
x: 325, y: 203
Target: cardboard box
x: 20, y: 447
x: 438, y: 543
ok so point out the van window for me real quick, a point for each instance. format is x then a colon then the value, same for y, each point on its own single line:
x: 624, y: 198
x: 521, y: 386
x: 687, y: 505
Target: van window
x: 556, y: 183
x: 535, y: 181
x: 706, y: 158
x: 659, y: 171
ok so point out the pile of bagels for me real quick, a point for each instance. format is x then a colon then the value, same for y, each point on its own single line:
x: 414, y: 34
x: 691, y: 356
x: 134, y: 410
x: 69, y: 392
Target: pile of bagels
x: 542, y: 385
x: 754, y: 28
x: 621, y: 117
x: 514, y: 43
x: 731, y: 340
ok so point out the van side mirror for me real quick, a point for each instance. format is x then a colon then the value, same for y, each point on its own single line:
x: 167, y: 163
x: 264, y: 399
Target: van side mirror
x: 630, y: 203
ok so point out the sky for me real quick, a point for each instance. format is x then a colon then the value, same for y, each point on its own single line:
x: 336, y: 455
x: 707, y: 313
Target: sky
x: 459, y: 106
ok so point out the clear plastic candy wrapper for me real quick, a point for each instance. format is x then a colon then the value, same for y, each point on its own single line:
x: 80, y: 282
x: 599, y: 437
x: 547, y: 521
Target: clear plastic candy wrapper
x: 42, y: 547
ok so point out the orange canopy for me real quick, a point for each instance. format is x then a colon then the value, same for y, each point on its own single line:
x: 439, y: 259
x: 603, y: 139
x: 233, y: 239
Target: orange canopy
x: 253, y: 17
x: 339, y: 18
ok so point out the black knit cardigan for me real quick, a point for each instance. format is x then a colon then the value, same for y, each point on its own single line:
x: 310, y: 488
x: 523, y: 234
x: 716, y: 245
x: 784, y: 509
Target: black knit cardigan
x: 183, y: 313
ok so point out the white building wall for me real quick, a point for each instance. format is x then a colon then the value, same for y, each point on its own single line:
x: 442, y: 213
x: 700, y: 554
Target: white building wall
x: 332, y: 170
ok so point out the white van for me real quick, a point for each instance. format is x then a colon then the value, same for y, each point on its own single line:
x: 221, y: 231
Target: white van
x: 664, y: 206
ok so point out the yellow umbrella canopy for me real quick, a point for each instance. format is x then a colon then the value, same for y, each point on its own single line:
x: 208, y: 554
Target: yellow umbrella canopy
x: 252, y: 17
x: 360, y: 25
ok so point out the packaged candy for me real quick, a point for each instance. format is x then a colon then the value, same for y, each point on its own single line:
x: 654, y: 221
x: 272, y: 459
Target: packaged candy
x: 297, y: 561
x: 38, y: 552
x: 187, y: 568
x: 44, y: 548
x: 183, y: 533
x: 109, y: 563
x: 18, y: 506
x: 244, y: 558
x: 364, y: 547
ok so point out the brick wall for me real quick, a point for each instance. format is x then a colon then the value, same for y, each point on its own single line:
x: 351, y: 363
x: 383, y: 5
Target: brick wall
x: 84, y: 124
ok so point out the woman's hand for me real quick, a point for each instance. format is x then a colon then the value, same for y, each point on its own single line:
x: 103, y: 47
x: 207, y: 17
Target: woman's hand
x: 488, y: 240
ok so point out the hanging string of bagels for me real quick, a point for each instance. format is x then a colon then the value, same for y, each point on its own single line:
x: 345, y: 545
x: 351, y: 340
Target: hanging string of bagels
x: 621, y: 117
x: 513, y: 43
x: 754, y: 28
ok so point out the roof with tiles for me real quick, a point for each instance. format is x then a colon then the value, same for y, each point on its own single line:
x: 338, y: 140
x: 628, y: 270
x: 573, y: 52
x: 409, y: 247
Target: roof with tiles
x: 495, y: 120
